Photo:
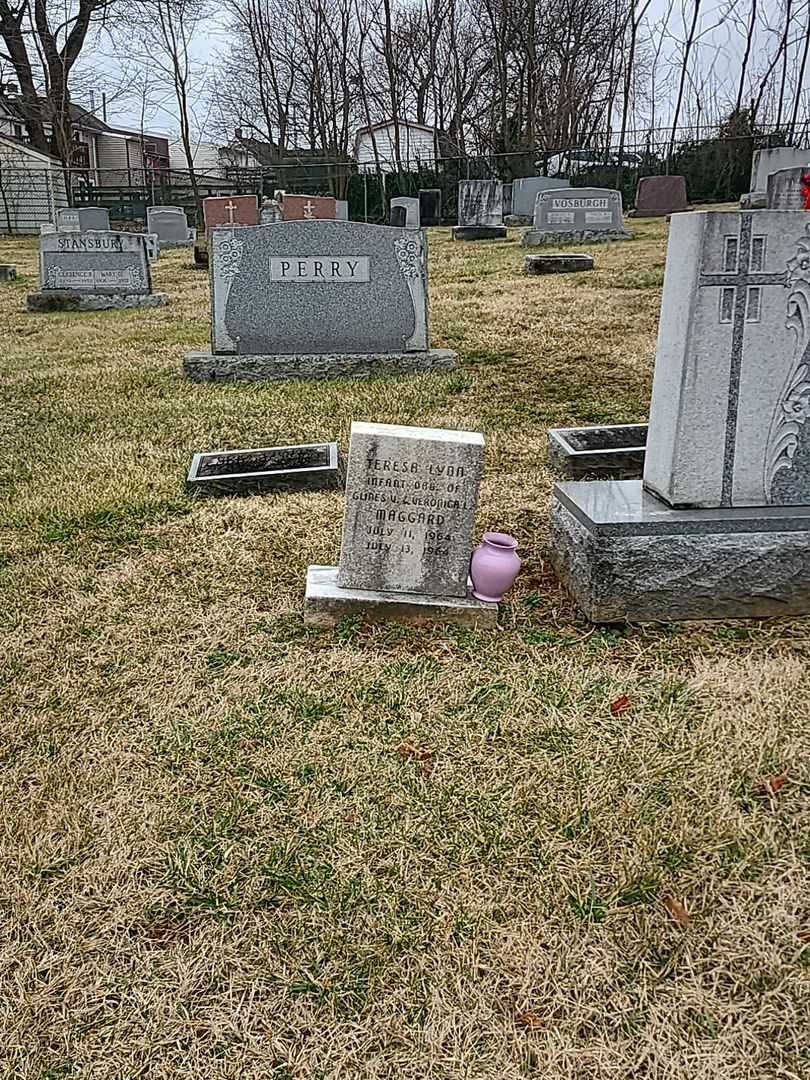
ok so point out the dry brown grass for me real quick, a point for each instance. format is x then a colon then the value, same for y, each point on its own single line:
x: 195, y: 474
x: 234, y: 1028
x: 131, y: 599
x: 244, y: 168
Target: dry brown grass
x: 216, y: 862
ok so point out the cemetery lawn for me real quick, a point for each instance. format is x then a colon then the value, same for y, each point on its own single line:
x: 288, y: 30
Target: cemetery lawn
x: 234, y: 846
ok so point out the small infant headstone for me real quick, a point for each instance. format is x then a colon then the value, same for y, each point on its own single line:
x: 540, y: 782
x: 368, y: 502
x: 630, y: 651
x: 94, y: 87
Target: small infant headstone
x: 93, y: 270
x: 576, y: 216
x: 245, y: 472
x: 411, y: 498
x: 657, y: 196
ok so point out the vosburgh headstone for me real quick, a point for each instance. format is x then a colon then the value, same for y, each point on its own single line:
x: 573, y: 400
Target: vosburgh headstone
x: 576, y: 216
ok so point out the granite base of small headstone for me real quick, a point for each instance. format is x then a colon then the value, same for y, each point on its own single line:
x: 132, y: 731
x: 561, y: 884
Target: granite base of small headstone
x: 317, y: 300
x: 8, y: 272
x: 613, y: 451
x: 719, y: 527
x: 430, y: 207
x: 410, y: 219
x: 557, y: 264
x: 92, y: 271
x: 480, y: 211
x: 659, y: 196
x: 411, y: 498
x: 576, y: 216
x: 308, y: 466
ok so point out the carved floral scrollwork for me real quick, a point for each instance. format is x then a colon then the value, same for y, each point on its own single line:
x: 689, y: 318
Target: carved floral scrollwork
x: 408, y: 252
x: 793, y: 410
x: 229, y: 256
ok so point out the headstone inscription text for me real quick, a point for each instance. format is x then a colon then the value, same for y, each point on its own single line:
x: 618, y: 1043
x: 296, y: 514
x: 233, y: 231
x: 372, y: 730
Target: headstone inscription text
x: 411, y: 497
x: 95, y: 262
x: 321, y: 268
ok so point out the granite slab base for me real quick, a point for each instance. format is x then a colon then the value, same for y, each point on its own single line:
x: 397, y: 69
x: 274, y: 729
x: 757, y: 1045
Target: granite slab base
x: 479, y: 232
x: 61, y: 300
x: 515, y: 221
x: 614, y: 451
x: 557, y: 264
x: 326, y: 604
x: 543, y: 238
x: 624, y: 555
x: 210, y: 367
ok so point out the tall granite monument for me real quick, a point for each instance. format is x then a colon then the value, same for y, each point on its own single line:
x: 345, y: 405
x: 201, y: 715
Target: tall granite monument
x: 720, y: 526
x: 317, y: 299
x: 411, y: 498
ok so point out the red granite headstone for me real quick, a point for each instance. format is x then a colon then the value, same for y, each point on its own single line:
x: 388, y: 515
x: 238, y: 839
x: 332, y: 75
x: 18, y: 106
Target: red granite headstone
x: 657, y: 196
x: 308, y: 208
x: 231, y: 210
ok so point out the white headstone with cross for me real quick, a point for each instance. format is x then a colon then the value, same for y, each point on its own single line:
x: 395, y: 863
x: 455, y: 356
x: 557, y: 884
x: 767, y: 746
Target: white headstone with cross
x: 730, y: 414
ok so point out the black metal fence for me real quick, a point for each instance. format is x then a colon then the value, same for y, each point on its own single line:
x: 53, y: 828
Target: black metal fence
x: 715, y: 162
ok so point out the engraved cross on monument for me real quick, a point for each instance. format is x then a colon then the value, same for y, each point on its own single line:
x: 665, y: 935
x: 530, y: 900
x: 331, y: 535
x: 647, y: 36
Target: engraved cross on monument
x: 230, y: 209
x: 740, y: 302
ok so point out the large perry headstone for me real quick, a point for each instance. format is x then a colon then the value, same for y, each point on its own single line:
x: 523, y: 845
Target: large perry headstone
x: 657, y: 196
x: 170, y: 224
x: 317, y: 299
x: 82, y: 219
x: 525, y: 191
x: 789, y: 189
x: 576, y: 216
x: 720, y: 527
x: 93, y: 270
x: 308, y: 208
x: 411, y: 497
x: 480, y: 210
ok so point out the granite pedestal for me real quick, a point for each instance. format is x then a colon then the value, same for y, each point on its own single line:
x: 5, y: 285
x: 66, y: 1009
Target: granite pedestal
x: 327, y: 604
x: 624, y: 555
x: 56, y: 300
x: 212, y: 367
x: 557, y: 264
x: 615, y: 451
x: 580, y: 237
x: 479, y: 232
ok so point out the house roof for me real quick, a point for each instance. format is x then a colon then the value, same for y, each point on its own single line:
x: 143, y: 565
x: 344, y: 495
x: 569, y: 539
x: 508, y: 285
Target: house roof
x: 389, y: 123
x: 29, y: 151
x: 12, y: 104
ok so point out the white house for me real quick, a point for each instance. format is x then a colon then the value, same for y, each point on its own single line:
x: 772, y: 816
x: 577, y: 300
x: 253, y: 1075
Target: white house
x: 377, y: 142
x: 32, y: 187
x: 211, y: 159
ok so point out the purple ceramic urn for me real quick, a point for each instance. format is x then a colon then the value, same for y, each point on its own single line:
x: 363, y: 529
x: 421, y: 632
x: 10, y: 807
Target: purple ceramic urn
x: 494, y: 566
